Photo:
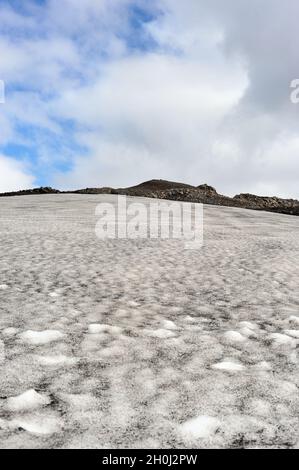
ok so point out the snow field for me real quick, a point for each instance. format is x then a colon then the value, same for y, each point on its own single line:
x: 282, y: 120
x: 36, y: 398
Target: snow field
x: 145, y: 343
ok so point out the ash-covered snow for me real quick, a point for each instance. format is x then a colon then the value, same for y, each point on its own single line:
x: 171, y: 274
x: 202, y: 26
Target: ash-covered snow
x: 142, y: 343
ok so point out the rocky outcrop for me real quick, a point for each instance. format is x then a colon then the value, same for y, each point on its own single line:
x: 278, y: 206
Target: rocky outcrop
x: 28, y: 192
x: 273, y: 204
x: 152, y: 187
x: 208, y: 189
x: 94, y: 191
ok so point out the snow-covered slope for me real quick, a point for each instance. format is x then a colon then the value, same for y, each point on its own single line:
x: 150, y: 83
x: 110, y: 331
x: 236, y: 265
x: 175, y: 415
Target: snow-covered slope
x: 142, y: 343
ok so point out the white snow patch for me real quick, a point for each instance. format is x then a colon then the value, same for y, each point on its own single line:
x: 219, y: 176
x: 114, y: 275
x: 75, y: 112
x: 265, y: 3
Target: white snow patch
x: 294, y: 319
x: 10, y: 331
x: 38, y: 424
x: 280, y: 339
x: 169, y: 325
x: 41, y: 337
x: 53, y: 294
x: 248, y: 324
x: 293, y: 333
x: 228, y: 366
x: 160, y: 333
x: 56, y: 360
x: 114, y: 330
x: 248, y: 332
x: 29, y: 400
x: 190, y: 319
x: 234, y: 337
x: 3, y: 286
x: 200, y: 427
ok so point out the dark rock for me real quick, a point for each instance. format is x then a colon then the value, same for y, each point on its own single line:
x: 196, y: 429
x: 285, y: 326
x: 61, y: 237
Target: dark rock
x: 207, y: 189
x: 152, y: 186
x: 27, y: 192
x: 93, y: 191
x: 273, y: 204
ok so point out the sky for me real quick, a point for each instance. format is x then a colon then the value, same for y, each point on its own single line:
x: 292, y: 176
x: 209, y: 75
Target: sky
x: 115, y: 92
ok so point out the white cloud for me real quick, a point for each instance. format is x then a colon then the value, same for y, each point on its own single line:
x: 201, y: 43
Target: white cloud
x: 14, y: 175
x: 162, y: 111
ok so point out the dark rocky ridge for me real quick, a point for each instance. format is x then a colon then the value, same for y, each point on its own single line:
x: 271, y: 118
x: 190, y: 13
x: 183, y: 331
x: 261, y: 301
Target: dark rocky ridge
x: 156, y: 185
x: 161, y: 189
x: 28, y: 192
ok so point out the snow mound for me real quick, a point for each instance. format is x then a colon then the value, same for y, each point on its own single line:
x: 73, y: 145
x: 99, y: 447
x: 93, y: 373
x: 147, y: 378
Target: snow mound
x: 248, y: 332
x: 29, y: 400
x: 57, y: 360
x: 3, y: 286
x: 39, y: 424
x: 293, y: 333
x: 279, y: 339
x: 160, y: 333
x: 228, y: 366
x: 169, y: 325
x: 294, y: 319
x: 190, y: 319
x: 41, y: 337
x: 234, y: 337
x: 200, y: 427
x: 248, y: 324
x: 10, y: 331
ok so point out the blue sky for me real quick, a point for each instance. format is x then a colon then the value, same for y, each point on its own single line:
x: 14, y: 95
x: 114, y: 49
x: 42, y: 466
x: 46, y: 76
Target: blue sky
x: 112, y: 92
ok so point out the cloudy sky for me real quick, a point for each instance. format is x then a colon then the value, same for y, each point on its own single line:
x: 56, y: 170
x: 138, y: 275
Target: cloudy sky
x: 113, y: 92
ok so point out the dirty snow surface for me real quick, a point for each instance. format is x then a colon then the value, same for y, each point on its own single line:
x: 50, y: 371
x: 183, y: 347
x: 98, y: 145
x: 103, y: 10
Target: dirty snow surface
x: 144, y: 344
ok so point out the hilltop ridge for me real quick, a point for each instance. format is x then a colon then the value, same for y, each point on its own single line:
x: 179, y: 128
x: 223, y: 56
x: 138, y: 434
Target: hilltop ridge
x: 176, y: 191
